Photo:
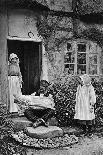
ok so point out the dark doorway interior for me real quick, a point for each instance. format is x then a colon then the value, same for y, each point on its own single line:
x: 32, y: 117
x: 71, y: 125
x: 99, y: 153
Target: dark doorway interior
x: 29, y: 54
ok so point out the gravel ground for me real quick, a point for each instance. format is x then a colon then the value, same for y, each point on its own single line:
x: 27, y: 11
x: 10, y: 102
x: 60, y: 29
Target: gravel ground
x: 87, y: 145
x: 92, y: 145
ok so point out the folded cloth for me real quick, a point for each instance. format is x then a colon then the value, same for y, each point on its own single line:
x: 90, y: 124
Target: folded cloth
x: 36, y: 102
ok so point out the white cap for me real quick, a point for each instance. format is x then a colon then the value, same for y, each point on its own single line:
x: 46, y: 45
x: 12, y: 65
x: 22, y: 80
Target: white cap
x: 12, y: 55
x: 86, y: 79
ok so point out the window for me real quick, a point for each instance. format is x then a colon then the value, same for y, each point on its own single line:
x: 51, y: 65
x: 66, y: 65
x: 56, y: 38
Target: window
x: 81, y: 58
x: 69, y: 59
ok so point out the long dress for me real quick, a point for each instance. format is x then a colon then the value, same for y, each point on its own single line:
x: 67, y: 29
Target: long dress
x: 14, y: 76
x: 85, y: 100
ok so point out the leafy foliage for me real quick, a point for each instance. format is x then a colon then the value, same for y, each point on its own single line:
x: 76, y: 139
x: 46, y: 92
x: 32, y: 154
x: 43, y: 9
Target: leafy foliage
x: 98, y: 86
x: 64, y: 91
x: 7, y: 145
x: 64, y: 94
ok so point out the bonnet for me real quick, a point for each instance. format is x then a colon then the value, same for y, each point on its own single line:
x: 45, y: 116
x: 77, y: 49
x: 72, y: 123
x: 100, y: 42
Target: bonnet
x: 86, y: 79
x: 12, y: 55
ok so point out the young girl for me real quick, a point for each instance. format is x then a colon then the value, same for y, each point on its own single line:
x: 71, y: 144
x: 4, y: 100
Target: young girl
x: 85, y: 100
x: 15, y: 80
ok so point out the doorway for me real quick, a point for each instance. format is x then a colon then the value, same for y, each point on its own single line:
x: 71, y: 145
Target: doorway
x: 29, y: 53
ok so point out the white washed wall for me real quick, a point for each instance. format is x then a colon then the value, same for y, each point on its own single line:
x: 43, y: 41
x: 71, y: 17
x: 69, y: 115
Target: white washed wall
x: 3, y: 61
x: 21, y: 22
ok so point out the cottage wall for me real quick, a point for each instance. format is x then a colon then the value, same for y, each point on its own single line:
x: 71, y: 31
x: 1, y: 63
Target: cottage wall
x: 58, y: 31
x: 53, y: 31
x: 93, y: 32
x: 3, y: 60
x: 22, y: 24
x: 16, y: 24
x: 61, y: 33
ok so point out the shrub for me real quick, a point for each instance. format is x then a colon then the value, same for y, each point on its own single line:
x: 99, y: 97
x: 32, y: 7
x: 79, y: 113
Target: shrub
x: 64, y: 94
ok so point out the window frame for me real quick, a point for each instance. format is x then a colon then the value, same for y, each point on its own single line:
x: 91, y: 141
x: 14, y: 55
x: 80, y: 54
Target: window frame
x: 75, y: 47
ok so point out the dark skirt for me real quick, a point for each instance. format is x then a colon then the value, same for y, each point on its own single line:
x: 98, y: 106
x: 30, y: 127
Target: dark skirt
x: 34, y: 114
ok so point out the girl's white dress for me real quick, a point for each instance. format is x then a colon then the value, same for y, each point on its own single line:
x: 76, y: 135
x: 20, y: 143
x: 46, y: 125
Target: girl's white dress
x: 14, y: 86
x: 85, y: 100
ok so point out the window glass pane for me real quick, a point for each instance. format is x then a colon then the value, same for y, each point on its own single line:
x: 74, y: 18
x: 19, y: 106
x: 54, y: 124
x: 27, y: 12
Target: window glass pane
x: 93, y: 64
x: 69, y: 57
x: 81, y: 47
x: 69, y: 68
x: 81, y: 58
x: 92, y: 69
x: 69, y: 46
x: 93, y: 59
x: 81, y: 69
x: 93, y: 48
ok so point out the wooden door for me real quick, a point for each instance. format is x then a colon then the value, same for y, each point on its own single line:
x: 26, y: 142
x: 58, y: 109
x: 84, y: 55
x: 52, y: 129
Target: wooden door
x: 32, y: 60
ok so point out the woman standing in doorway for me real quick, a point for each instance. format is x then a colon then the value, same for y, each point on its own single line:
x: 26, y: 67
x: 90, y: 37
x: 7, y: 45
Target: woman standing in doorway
x: 15, y: 80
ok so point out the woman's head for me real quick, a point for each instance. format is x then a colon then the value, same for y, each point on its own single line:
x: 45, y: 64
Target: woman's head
x: 13, y: 58
x: 44, y: 87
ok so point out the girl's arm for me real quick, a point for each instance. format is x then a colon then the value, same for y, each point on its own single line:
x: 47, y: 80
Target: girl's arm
x: 92, y: 96
x: 77, y: 96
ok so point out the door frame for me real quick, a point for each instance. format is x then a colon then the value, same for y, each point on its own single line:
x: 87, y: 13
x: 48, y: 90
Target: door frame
x: 25, y: 39
x: 22, y: 39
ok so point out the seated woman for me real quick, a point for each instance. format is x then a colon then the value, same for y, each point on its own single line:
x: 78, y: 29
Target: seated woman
x: 39, y: 116
x: 40, y: 109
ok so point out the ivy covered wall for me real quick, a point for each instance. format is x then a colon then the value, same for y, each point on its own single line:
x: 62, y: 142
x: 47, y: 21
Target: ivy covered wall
x: 55, y: 30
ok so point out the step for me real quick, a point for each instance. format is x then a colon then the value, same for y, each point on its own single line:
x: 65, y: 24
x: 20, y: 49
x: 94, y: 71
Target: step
x: 21, y: 122
x: 44, y: 132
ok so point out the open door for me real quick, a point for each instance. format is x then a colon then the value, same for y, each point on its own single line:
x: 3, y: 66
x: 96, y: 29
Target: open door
x: 32, y: 63
x: 29, y: 53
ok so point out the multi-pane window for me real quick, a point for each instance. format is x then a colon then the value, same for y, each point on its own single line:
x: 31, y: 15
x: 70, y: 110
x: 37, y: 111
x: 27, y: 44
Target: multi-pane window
x: 80, y: 59
x: 69, y: 59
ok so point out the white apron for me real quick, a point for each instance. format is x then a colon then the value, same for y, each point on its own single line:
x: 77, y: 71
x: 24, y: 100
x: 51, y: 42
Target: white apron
x: 85, y: 98
x: 14, y: 88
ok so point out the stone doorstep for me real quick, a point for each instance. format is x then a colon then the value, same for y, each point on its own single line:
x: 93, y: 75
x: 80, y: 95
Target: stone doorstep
x: 20, y: 123
x: 44, y: 132
x: 25, y: 121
